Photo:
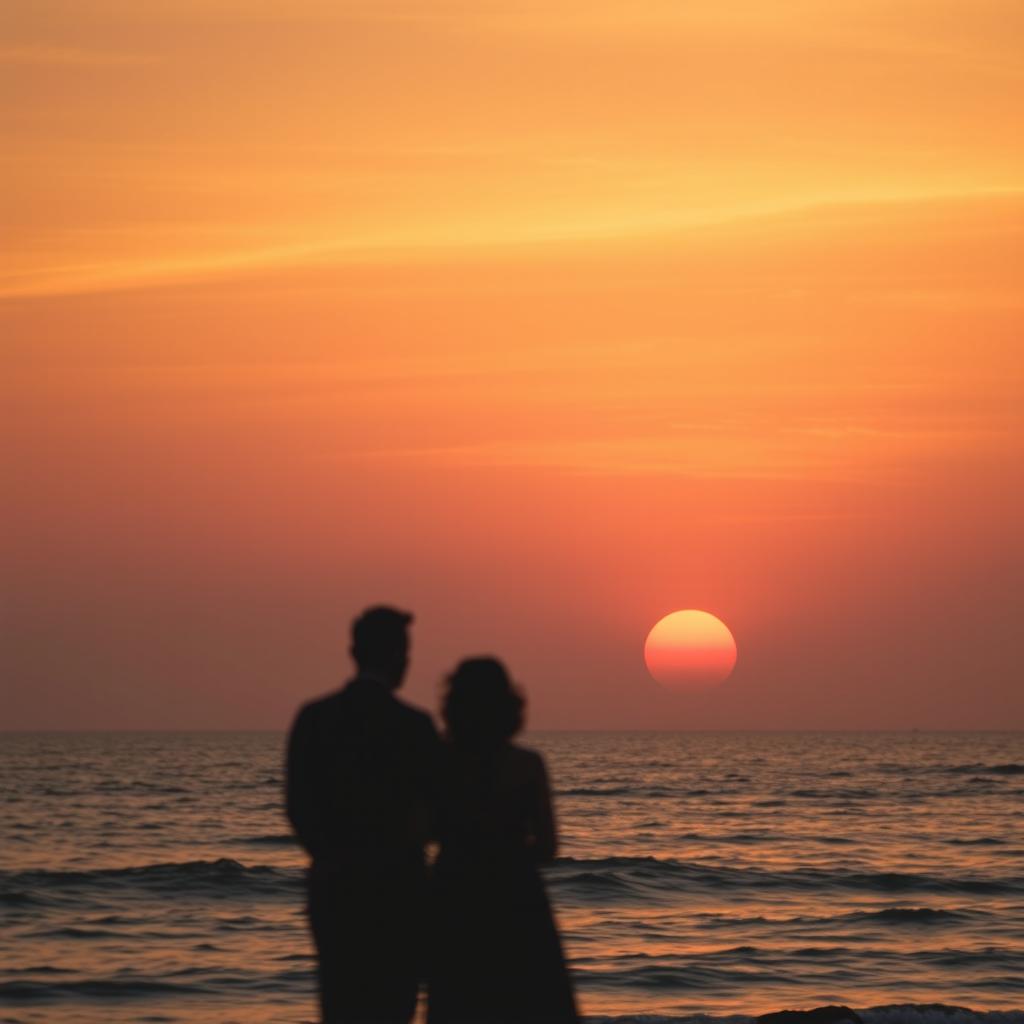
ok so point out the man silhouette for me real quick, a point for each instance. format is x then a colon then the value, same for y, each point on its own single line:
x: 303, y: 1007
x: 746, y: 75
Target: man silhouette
x: 359, y: 778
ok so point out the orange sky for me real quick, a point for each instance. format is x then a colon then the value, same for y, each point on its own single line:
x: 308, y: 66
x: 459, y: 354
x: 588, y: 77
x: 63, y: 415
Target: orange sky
x: 542, y: 320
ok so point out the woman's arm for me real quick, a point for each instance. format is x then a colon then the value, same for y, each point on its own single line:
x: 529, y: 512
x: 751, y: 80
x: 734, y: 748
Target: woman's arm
x: 545, y: 834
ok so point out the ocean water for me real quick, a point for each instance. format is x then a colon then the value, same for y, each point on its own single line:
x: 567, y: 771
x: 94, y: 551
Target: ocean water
x: 150, y: 877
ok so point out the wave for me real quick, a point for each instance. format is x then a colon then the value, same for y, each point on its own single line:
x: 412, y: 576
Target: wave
x: 73, y: 932
x: 887, y: 916
x: 741, y: 838
x: 637, y: 792
x: 744, y: 838
x: 187, y: 982
x: 596, y: 791
x: 1011, y: 768
x: 667, y: 876
x: 641, y: 792
x: 210, y: 879
x: 647, y: 877
x: 732, y: 967
x: 908, y: 1013
x: 835, y: 794
x: 907, y: 915
x: 136, y: 786
x: 98, y: 988
x: 938, y: 1013
x: 281, y: 839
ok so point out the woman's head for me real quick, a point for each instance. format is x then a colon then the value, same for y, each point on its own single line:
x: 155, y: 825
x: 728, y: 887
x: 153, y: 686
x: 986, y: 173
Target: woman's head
x: 481, y: 705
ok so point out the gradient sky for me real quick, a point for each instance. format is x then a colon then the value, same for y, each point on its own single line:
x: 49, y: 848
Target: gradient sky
x: 539, y: 319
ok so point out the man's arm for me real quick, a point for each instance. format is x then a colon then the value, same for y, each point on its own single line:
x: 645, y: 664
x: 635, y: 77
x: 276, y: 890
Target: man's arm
x: 301, y: 783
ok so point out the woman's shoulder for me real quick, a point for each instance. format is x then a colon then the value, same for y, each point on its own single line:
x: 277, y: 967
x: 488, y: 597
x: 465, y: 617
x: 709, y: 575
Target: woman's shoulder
x: 526, y: 759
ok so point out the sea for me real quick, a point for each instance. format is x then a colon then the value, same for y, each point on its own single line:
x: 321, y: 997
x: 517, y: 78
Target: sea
x: 702, y: 877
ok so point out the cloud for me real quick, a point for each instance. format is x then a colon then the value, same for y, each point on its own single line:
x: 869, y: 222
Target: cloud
x: 931, y: 215
x: 840, y: 452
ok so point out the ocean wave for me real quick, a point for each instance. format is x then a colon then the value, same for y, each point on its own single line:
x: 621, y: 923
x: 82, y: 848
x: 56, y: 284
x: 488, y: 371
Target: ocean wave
x: 909, y: 1013
x: 745, y: 838
x: 280, y: 839
x: 1011, y: 768
x: 836, y: 793
x: 656, y: 1018
x: 216, y: 878
x: 888, y: 916
x: 189, y: 982
x: 96, y: 988
x: 937, y: 1013
x: 17, y: 898
x: 907, y: 915
x: 667, y: 875
x: 73, y: 932
x: 730, y: 837
x: 647, y: 877
x: 636, y: 793
x: 731, y: 965
x: 136, y: 786
x: 663, y: 974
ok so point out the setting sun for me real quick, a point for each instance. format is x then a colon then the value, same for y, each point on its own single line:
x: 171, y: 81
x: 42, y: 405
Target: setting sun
x: 690, y: 650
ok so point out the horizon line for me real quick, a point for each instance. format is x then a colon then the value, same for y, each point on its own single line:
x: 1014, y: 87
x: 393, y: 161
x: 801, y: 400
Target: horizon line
x: 528, y: 732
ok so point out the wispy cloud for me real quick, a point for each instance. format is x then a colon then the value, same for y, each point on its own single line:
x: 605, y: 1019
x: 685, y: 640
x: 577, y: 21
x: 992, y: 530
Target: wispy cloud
x: 320, y: 247
x: 841, y: 452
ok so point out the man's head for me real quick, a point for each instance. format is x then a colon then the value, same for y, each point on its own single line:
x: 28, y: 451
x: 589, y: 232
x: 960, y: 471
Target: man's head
x: 380, y: 644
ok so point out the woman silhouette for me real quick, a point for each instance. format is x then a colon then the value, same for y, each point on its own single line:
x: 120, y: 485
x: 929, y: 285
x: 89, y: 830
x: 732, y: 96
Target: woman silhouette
x: 495, y: 952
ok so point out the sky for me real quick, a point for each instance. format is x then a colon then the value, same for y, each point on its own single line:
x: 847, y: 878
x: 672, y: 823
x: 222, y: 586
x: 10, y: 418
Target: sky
x: 541, y: 320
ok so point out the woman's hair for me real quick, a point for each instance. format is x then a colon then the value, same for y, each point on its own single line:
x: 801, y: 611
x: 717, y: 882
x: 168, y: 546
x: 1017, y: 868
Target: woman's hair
x: 481, y: 705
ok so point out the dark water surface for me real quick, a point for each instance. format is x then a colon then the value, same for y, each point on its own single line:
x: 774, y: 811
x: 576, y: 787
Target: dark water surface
x: 150, y: 876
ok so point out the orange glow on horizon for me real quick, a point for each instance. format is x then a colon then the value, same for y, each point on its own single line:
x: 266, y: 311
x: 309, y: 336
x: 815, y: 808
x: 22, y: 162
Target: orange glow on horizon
x: 478, y: 309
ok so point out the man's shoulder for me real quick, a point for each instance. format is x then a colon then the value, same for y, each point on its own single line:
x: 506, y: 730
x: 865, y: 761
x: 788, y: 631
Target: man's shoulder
x: 416, y: 717
x: 348, y: 700
x: 324, y: 704
x: 318, y: 710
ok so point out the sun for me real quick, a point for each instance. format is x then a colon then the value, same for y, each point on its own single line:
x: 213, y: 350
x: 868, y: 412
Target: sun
x: 690, y: 650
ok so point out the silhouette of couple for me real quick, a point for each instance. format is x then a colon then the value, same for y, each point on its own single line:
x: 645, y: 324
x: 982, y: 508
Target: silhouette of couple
x: 369, y: 783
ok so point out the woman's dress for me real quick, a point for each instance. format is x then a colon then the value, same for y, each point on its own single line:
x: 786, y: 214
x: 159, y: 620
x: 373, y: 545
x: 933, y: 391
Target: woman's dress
x: 494, y: 951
